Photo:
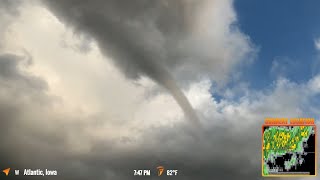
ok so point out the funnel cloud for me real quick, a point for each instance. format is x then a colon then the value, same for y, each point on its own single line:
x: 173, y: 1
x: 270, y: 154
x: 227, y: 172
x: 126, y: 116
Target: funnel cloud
x: 136, y: 35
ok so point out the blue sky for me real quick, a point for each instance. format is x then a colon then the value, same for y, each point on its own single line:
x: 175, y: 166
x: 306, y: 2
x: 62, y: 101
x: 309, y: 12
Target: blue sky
x: 282, y: 30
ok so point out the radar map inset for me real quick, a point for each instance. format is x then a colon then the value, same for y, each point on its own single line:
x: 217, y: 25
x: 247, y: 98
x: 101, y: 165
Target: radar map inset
x: 288, y: 150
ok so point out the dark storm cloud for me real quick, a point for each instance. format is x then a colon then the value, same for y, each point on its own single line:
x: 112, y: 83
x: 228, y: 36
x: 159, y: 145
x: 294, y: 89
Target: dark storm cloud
x: 17, y: 90
x: 141, y: 36
x: 31, y: 134
x: 221, y: 154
